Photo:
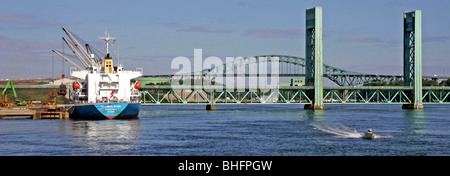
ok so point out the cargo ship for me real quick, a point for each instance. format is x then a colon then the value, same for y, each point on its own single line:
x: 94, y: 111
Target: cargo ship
x: 106, y: 90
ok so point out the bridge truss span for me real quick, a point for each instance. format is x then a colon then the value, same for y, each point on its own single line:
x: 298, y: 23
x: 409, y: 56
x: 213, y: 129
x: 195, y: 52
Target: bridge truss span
x: 166, y: 95
x: 290, y: 66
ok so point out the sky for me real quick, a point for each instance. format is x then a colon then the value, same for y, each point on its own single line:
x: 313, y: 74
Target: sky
x: 361, y: 36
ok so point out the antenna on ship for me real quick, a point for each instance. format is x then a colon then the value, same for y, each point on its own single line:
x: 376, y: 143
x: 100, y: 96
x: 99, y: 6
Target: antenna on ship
x: 118, y: 54
x: 107, y: 38
x: 107, y: 61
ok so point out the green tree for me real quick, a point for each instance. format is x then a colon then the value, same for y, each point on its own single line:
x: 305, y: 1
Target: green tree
x: 429, y: 83
x: 445, y: 83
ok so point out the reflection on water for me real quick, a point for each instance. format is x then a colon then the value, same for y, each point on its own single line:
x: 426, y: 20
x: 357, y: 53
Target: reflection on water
x: 314, y: 114
x: 415, y: 120
x: 112, y: 135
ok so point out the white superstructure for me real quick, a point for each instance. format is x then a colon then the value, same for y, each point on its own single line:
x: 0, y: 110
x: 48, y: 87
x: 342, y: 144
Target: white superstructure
x: 106, y: 87
x: 103, y: 82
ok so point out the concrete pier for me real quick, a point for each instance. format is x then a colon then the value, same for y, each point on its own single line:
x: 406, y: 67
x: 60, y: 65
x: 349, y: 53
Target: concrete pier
x: 412, y: 106
x: 210, y: 107
x: 308, y: 106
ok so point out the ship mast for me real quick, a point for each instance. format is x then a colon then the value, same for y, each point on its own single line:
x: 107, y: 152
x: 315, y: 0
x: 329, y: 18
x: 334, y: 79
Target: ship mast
x: 107, y: 38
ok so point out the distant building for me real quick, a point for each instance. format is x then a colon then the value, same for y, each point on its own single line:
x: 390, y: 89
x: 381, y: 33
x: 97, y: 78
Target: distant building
x: 297, y: 82
x: 66, y: 81
x: 294, y: 82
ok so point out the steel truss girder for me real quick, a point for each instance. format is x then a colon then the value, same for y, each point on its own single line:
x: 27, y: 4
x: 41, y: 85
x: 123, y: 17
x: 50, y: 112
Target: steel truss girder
x: 436, y: 96
x: 293, y: 95
x: 167, y: 95
x: 365, y: 96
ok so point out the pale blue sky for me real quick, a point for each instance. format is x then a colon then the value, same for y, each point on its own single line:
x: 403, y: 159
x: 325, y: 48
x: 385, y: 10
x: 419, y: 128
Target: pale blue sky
x: 362, y: 36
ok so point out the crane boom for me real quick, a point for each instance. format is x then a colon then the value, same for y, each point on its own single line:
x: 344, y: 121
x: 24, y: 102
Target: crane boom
x: 89, y: 50
x: 68, y: 60
x: 76, y: 53
x: 77, y: 44
x: 10, y: 83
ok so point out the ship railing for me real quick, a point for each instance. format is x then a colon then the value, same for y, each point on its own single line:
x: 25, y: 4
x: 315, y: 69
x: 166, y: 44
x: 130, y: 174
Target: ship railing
x: 140, y: 70
x: 129, y: 72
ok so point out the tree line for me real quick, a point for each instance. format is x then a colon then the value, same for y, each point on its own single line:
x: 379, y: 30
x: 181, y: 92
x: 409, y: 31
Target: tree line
x: 400, y: 83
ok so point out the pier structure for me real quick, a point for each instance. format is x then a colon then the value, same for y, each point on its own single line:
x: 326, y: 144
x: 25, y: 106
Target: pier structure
x: 34, y: 113
x: 412, y: 95
x: 34, y: 109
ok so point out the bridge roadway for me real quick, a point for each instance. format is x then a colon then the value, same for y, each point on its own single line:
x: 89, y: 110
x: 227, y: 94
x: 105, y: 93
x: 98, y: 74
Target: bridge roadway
x: 246, y: 75
x: 168, y: 95
x: 399, y: 77
x: 201, y: 95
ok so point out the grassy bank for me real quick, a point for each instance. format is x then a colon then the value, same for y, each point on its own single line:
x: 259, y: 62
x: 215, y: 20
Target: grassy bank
x: 33, y: 95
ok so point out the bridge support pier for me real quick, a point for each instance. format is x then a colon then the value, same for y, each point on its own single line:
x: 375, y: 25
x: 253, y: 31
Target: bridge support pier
x: 314, y: 57
x: 211, y: 106
x: 412, y: 57
x: 309, y: 106
x: 412, y: 106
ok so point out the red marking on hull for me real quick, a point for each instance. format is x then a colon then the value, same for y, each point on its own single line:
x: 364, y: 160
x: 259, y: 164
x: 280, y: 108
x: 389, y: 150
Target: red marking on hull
x: 110, y: 117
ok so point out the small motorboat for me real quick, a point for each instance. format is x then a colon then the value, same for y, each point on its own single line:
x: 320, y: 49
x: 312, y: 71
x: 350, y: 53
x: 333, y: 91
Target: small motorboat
x: 369, y: 134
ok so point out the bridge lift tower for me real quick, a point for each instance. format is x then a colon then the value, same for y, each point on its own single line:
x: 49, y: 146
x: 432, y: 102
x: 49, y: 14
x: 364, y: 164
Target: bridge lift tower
x: 314, y: 57
x: 412, y: 57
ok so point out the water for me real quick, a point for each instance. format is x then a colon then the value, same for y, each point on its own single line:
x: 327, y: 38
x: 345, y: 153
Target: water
x: 238, y: 130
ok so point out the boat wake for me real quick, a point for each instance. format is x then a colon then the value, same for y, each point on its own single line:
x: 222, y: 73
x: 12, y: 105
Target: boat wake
x: 342, y: 131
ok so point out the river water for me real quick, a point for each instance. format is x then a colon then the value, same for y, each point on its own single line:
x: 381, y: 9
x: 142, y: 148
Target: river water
x: 262, y: 130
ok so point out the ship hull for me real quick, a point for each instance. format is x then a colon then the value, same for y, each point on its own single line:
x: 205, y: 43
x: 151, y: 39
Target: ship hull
x: 105, y: 111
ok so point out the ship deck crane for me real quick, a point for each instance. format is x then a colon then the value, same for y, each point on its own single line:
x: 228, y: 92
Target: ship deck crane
x: 68, y: 60
x: 86, y: 57
x: 80, y: 48
x: 86, y: 65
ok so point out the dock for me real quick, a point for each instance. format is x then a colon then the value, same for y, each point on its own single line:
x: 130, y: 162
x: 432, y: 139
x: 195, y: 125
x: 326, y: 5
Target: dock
x: 34, y: 113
